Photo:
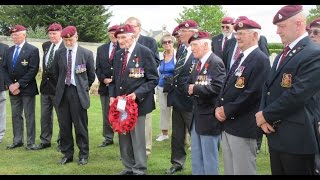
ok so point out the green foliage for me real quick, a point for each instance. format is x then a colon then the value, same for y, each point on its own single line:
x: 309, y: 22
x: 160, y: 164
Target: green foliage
x: 277, y: 51
x: 275, y: 45
x: 314, y: 13
x: 207, y: 16
x: 90, y: 20
x: 38, y: 32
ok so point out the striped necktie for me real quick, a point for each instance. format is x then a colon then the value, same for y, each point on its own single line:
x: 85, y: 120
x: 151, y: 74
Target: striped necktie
x: 15, y: 57
x: 180, y: 63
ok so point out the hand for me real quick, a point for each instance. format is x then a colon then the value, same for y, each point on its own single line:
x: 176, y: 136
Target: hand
x: 107, y: 81
x: 132, y: 96
x: 16, y: 92
x: 111, y: 100
x: 219, y: 113
x: 260, y: 118
x: 190, y: 89
x: 13, y: 87
x: 267, y: 128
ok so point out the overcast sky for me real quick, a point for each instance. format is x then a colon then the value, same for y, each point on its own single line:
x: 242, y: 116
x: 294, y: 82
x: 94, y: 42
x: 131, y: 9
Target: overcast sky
x: 155, y: 16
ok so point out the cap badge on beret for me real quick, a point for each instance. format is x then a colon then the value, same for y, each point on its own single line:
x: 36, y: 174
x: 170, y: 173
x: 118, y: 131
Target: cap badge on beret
x: 279, y: 16
x: 68, y: 35
x: 121, y: 29
x: 186, y: 25
x: 196, y: 35
x: 14, y: 30
x: 240, y: 24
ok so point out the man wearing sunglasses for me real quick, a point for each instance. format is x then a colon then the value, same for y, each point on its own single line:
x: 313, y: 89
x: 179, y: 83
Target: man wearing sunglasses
x: 219, y: 41
x: 314, y: 30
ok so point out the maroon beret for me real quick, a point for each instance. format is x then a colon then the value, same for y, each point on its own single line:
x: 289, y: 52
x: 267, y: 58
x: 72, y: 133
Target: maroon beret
x: 247, y: 24
x: 286, y: 12
x: 188, y: 24
x: 17, y: 28
x: 124, y: 29
x: 113, y: 28
x: 199, y: 35
x: 240, y: 18
x: 315, y: 23
x: 68, y: 31
x: 227, y: 20
x: 175, y: 31
x: 55, y: 27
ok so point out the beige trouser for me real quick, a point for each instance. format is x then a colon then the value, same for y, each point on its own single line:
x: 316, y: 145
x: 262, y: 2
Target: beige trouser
x: 148, y: 129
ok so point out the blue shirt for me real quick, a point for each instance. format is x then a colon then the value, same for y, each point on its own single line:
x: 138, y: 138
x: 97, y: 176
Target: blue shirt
x: 165, y: 69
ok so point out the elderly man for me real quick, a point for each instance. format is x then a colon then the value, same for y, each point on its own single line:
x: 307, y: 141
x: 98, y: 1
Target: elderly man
x: 104, y: 71
x: 179, y: 98
x: 290, y: 97
x: 150, y: 43
x: 3, y: 49
x: 205, y: 85
x: 314, y: 30
x: 134, y: 56
x: 75, y: 73
x: 239, y: 100
x: 21, y: 64
x: 48, y: 85
x: 219, y: 41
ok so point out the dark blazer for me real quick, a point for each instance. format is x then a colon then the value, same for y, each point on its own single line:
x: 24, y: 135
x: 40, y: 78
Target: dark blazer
x: 83, y: 80
x: 205, y: 96
x: 143, y: 87
x: 104, y: 67
x: 178, y: 95
x: 241, y: 104
x: 25, y: 71
x: 231, y: 43
x: 216, y: 44
x: 3, y: 48
x: 150, y: 43
x: 292, y: 109
x: 48, y: 83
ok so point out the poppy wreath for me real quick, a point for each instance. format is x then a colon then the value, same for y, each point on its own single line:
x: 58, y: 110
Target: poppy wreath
x: 123, y: 123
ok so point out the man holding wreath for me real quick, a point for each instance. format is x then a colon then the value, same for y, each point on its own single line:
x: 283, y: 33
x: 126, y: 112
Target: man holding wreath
x: 135, y: 76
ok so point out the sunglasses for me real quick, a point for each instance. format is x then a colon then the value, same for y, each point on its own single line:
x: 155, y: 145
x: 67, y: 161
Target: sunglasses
x: 227, y: 27
x: 315, y: 32
x: 166, y: 42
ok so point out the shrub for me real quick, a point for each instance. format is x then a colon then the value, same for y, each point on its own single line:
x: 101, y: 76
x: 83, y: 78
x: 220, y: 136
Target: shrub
x: 38, y: 32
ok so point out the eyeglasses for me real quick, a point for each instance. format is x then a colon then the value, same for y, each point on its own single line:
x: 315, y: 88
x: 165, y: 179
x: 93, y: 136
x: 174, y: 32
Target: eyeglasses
x: 227, y: 27
x: 315, y: 32
x: 166, y: 42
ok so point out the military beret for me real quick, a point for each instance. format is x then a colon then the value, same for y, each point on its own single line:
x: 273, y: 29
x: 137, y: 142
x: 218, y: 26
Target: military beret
x: 175, y: 31
x: 55, y: 27
x: 68, y: 31
x: 124, y: 30
x: 188, y: 24
x: 113, y: 28
x: 247, y: 24
x: 315, y: 23
x: 286, y: 12
x: 240, y: 18
x: 227, y: 20
x: 199, y: 35
x: 17, y: 28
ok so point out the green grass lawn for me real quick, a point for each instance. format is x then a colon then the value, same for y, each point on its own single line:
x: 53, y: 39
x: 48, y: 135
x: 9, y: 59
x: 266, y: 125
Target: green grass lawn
x: 102, y: 161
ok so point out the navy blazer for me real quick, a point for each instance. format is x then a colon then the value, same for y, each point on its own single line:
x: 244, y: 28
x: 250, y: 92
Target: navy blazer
x: 143, y: 87
x: 241, y: 104
x: 231, y: 43
x: 216, y: 45
x: 290, y: 99
x: 104, y: 67
x: 26, y: 69
x: 3, y: 48
x: 178, y: 95
x: 205, y: 96
x: 48, y: 83
x: 150, y: 43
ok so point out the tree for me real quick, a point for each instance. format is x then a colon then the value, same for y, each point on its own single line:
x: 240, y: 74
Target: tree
x: 314, y: 13
x: 208, y: 17
x: 91, y: 20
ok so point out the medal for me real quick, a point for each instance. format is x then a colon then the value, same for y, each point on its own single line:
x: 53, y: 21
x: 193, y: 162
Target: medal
x: 239, y: 71
x: 206, y: 65
x: 136, y: 59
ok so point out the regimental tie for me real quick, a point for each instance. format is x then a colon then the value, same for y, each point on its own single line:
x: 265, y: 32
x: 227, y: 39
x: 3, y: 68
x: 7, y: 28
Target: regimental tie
x: 234, y: 67
x: 180, y: 63
x: 68, y: 78
x: 124, y: 63
x: 199, y: 67
x: 284, y: 54
x: 15, y: 57
x: 112, y: 52
x: 50, y: 59
x: 224, y: 43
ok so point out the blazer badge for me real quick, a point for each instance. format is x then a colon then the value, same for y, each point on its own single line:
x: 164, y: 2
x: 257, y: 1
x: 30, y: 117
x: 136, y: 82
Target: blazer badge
x: 24, y: 63
x: 239, y: 83
x: 286, y: 80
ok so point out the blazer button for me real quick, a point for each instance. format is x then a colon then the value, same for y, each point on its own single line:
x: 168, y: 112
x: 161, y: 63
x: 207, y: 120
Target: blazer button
x: 120, y: 87
x: 232, y: 118
x: 222, y: 99
x: 268, y: 93
x: 48, y: 78
x: 176, y: 85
